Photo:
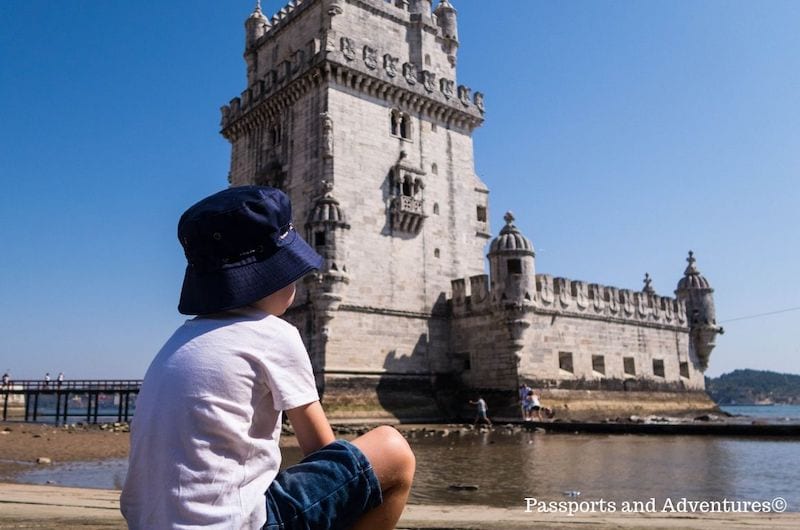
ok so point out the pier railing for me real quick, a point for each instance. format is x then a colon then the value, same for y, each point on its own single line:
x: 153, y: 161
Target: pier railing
x: 71, y: 398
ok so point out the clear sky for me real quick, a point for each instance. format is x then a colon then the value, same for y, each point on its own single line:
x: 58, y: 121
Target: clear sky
x: 620, y: 133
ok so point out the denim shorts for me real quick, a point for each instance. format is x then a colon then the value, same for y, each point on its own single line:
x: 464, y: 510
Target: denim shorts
x: 329, y: 489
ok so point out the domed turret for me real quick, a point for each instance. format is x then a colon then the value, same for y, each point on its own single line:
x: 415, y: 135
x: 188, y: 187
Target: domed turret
x: 511, y: 264
x: 695, y: 291
x: 255, y: 26
x: 326, y: 233
x: 448, y: 25
x: 446, y: 20
x: 324, y: 226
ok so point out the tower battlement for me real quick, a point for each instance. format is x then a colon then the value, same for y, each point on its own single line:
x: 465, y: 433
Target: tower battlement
x: 558, y: 295
x: 312, y: 40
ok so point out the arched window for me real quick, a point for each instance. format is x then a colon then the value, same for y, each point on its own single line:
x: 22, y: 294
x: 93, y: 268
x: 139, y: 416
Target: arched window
x: 436, y: 208
x: 408, y: 187
x: 400, y: 124
x: 434, y: 169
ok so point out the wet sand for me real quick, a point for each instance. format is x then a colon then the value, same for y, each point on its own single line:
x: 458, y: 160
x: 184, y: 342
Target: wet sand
x: 21, y: 444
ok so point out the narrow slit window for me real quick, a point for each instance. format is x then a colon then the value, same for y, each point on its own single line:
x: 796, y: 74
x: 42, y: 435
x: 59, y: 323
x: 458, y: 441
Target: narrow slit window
x: 629, y: 365
x: 599, y: 364
x: 565, y: 361
x: 658, y: 367
x: 685, y: 370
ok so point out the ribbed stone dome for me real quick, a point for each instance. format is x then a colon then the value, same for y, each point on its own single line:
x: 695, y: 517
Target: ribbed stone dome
x: 511, y: 239
x: 327, y: 210
x: 257, y: 14
x: 692, y: 279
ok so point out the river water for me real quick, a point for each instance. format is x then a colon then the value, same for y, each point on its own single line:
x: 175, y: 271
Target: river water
x: 502, y: 467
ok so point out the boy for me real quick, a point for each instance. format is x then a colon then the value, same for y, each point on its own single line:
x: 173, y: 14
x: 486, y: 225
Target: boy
x: 204, y: 441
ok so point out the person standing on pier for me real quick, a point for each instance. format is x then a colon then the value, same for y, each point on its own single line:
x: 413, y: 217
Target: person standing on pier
x: 524, y: 389
x: 6, y: 380
x: 47, y: 379
x: 205, y: 436
x: 60, y: 379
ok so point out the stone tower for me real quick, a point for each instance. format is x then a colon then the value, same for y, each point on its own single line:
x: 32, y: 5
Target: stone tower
x: 695, y: 291
x: 353, y: 109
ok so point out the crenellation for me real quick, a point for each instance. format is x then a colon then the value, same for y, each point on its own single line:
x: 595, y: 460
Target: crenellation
x: 479, y: 292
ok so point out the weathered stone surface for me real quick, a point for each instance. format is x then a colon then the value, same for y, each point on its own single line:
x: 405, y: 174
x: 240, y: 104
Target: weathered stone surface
x: 360, y: 101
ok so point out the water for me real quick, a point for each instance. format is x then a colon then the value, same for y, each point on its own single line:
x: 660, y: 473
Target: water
x: 508, y: 467
x: 772, y: 413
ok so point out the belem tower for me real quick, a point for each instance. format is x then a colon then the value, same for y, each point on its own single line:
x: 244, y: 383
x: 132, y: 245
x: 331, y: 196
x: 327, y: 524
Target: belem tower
x: 354, y: 108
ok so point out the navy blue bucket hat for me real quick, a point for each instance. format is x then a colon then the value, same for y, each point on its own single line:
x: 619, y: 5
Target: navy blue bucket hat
x: 240, y: 246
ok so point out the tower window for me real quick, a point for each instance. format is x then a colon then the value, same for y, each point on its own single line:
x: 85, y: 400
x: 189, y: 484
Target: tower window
x: 629, y: 365
x: 427, y: 59
x: 599, y: 364
x: 436, y: 253
x: 319, y: 239
x: 685, y: 370
x: 658, y: 367
x: 565, y: 361
x: 481, y: 213
x: 400, y: 124
x: 434, y: 169
x: 436, y: 208
x: 514, y: 266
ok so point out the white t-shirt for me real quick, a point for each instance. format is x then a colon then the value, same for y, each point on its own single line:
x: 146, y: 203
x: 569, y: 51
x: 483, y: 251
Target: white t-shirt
x: 204, y: 440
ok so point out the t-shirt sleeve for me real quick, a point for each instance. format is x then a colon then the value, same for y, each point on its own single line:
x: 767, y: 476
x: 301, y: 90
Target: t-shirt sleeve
x: 289, y: 373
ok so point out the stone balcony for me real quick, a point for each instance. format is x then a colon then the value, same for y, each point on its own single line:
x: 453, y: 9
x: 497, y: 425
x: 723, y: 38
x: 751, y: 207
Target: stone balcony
x: 407, y: 214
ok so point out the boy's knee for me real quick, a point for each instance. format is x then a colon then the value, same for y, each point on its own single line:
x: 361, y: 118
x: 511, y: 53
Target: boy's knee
x: 396, y: 450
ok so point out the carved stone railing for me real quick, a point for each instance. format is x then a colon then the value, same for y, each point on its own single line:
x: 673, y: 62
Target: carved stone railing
x: 407, y: 214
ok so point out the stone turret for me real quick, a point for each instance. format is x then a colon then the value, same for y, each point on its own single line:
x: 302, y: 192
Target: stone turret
x: 695, y: 291
x: 325, y: 231
x: 255, y: 26
x: 448, y: 24
x: 511, y: 265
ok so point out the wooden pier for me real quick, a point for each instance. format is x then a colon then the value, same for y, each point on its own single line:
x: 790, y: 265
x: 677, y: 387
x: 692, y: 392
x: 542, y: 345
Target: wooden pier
x: 37, y: 398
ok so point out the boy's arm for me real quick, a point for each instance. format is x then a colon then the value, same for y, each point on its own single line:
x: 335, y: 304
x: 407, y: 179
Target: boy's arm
x: 311, y: 427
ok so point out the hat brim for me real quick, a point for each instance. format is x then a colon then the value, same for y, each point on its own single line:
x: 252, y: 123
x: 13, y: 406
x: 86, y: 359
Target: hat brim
x: 236, y: 286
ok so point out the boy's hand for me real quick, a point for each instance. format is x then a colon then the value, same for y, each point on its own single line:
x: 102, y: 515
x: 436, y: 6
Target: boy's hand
x: 311, y: 427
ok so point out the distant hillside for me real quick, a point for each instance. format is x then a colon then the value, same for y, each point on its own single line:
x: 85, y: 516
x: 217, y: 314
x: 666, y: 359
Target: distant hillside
x: 754, y: 386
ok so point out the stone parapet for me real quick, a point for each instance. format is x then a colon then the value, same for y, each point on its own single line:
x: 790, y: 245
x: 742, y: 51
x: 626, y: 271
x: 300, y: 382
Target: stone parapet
x: 557, y: 295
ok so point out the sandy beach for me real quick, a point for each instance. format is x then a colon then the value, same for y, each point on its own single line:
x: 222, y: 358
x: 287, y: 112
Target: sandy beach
x: 40, y: 506
x: 21, y: 444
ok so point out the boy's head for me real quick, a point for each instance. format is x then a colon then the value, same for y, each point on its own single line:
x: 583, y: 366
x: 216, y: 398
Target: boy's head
x: 241, y: 247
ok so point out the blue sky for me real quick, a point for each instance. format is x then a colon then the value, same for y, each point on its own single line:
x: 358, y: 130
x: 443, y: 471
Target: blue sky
x: 621, y: 134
